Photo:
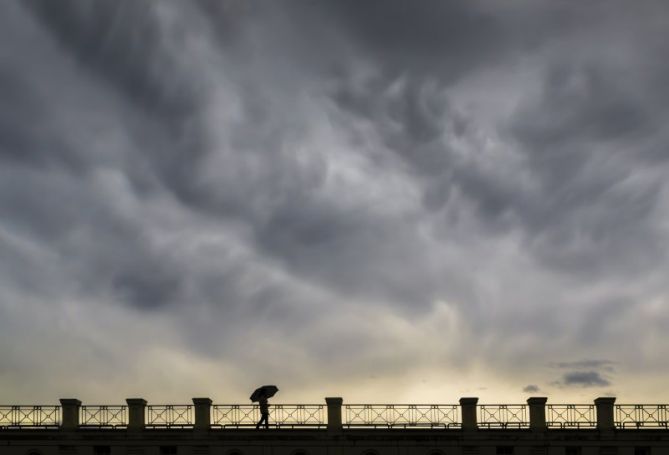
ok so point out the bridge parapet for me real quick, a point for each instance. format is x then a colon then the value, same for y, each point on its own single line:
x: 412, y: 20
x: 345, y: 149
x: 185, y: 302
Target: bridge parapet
x: 282, y: 415
x: 571, y: 416
x: 170, y: 416
x: 103, y: 416
x: 402, y: 416
x: 468, y: 415
x: 503, y: 416
x: 641, y: 416
x: 30, y: 416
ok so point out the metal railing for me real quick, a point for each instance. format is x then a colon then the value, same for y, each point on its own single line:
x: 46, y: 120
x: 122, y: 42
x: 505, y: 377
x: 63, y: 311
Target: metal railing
x: 408, y: 416
x: 169, y: 416
x: 33, y: 416
x: 103, y: 416
x: 571, y: 416
x: 281, y: 415
x: 402, y: 415
x: 641, y: 416
x: 503, y: 416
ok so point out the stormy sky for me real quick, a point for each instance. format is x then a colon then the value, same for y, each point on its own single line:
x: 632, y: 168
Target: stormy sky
x: 388, y: 201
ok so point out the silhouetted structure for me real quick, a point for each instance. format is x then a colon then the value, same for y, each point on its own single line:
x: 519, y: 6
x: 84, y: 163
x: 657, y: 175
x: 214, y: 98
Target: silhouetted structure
x: 467, y: 428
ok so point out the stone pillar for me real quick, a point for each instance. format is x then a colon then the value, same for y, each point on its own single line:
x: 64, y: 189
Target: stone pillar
x: 604, y: 407
x: 468, y: 411
x: 537, y: 407
x: 202, y: 413
x: 334, y: 413
x: 69, y: 418
x: 136, y: 413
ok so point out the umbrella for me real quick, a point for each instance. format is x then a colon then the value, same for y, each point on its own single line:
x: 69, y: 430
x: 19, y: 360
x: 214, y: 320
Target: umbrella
x: 266, y: 391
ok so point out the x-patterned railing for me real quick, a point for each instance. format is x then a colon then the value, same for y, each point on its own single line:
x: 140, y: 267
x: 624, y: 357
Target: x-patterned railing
x: 564, y: 416
x: 169, y: 416
x: 281, y: 415
x: 641, y: 416
x: 33, y: 416
x: 503, y: 416
x: 402, y: 415
x: 103, y: 416
x: 571, y: 416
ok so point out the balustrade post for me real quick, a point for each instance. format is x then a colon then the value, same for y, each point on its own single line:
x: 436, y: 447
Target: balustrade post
x: 69, y: 418
x: 334, y: 413
x: 537, y: 407
x: 136, y: 413
x: 202, y: 413
x: 604, y: 406
x: 468, y: 411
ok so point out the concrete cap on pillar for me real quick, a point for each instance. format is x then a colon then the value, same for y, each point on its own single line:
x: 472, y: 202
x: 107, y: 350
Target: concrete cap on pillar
x: 202, y: 401
x: 537, y: 406
x: 334, y: 413
x: 136, y: 417
x: 605, y: 411
x: 69, y: 413
x: 468, y: 413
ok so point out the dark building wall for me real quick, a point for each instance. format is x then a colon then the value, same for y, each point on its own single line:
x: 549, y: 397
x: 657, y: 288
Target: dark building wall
x: 322, y: 442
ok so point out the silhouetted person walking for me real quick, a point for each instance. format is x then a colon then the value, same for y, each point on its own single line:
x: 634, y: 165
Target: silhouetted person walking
x: 264, y: 413
x: 261, y: 395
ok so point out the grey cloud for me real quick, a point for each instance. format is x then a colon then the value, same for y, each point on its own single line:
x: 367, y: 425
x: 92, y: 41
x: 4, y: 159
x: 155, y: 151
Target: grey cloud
x: 586, y: 103
x: 576, y: 139
x: 283, y: 174
x: 125, y: 44
x: 531, y: 388
x: 585, y: 137
x: 586, y: 372
x: 410, y: 117
x: 128, y: 48
x: 584, y: 379
x: 440, y: 39
x: 585, y: 364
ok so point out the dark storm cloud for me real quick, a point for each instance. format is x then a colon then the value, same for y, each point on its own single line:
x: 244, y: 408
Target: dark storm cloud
x: 583, y: 139
x: 347, y: 182
x: 128, y: 47
x: 125, y: 44
x: 449, y: 37
x: 588, y: 109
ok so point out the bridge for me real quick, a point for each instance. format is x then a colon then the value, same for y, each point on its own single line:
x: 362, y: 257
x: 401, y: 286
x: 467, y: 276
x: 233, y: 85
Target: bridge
x: 334, y: 428
x: 334, y: 415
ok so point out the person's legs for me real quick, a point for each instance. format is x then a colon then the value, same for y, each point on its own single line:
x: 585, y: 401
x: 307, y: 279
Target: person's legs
x: 264, y: 418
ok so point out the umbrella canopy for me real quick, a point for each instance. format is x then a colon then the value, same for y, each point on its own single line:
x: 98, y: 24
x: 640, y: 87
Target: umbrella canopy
x: 264, y: 392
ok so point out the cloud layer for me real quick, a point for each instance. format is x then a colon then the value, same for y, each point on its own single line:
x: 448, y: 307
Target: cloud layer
x: 380, y: 200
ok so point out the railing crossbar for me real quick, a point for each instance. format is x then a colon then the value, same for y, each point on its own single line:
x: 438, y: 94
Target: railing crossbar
x: 503, y: 416
x: 401, y: 415
x: 29, y: 416
x: 281, y: 415
x: 169, y: 416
